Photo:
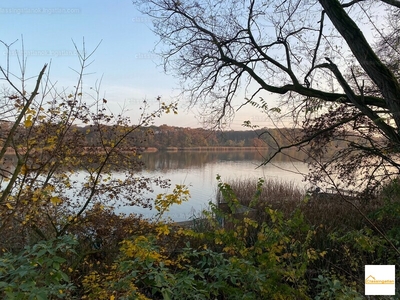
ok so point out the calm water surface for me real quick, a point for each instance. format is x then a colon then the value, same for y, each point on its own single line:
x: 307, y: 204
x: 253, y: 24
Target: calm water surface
x: 198, y: 170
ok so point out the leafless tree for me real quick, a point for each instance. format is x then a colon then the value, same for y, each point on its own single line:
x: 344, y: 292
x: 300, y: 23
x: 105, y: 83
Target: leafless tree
x: 318, y: 55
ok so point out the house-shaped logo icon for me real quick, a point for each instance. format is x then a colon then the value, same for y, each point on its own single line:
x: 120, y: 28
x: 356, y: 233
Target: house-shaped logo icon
x: 370, y: 278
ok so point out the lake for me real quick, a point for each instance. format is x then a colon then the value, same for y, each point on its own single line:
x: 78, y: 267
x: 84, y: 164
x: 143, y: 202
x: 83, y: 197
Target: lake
x: 198, y: 170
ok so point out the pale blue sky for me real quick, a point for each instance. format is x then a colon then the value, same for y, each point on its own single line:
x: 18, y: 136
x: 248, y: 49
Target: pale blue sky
x: 124, y: 58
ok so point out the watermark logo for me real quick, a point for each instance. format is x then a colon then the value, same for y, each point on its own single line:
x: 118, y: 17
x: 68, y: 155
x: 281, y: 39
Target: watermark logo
x: 147, y: 55
x: 380, y: 280
x: 39, y: 10
x: 142, y: 19
x: 41, y: 52
x: 259, y: 118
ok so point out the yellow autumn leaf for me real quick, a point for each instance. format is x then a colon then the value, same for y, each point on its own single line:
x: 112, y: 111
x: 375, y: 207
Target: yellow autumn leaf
x: 55, y: 200
x: 28, y: 123
x: 9, y: 206
x: 163, y: 230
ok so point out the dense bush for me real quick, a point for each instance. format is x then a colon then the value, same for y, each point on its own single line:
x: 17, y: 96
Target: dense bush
x: 38, y: 272
x: 266, y: 254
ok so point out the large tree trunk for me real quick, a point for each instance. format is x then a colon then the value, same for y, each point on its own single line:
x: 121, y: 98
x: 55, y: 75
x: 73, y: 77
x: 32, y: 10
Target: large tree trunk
x: 372, y: 65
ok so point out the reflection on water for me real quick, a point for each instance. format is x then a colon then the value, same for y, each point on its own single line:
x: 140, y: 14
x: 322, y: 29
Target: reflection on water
x: 165, y: 161
x: 198, y: 170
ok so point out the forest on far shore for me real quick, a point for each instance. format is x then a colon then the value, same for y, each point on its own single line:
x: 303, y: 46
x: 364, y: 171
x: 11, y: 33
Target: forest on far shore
x: 164, y: 137
x: 167, y: 137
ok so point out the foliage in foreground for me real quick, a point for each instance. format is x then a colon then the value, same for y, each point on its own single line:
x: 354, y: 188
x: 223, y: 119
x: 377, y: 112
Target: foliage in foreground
x: 273, y: 255
x: 38, y: 271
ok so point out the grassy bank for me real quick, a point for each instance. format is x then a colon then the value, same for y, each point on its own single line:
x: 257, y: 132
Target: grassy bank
x: 323, y: 208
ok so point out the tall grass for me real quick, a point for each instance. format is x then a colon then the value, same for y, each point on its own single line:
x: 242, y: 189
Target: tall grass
x: 320, y: 210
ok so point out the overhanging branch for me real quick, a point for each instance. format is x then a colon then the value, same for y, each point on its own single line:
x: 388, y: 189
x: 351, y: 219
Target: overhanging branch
x: 311, y: 137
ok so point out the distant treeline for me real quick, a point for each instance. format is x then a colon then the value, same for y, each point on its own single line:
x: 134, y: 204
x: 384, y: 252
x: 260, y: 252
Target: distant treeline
x: 173, y: 138
x: 166, y: 137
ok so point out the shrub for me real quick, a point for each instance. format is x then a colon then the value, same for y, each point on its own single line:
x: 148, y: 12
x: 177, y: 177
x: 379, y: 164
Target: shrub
x: 38, y: 272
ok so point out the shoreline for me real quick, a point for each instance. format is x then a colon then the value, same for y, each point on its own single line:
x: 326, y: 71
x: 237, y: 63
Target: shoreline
x: 86, y: 150
x: 213, y: 148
